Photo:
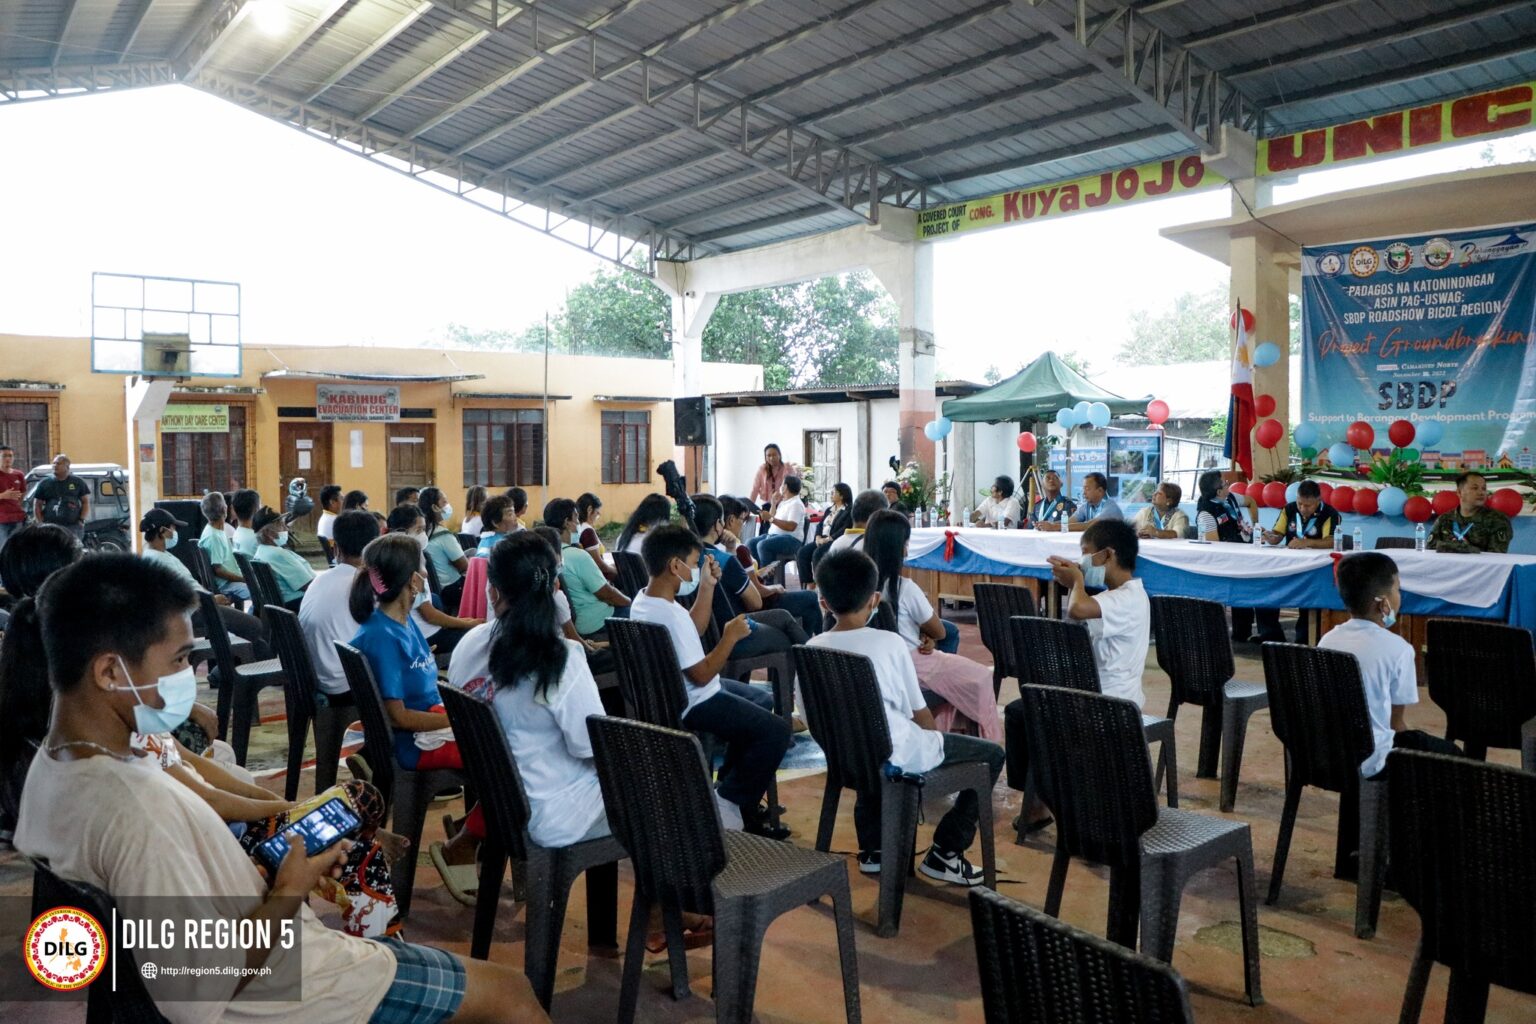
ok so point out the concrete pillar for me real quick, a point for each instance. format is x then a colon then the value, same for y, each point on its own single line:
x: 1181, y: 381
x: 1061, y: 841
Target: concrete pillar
x: 145, y: 404
x: 909, y: 280
x: 962, y: 474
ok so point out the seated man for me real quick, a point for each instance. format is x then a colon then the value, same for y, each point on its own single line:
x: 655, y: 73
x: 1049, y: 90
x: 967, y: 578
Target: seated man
x: 593, y: 599
x: 846, y: 581
x: 355, y: 501
x: 1048, y: 509
x: 220, y: 552
x: 775, y: 630
x: 785, y: 521
x: 801, y: 604
x: 1307, y: 522
x: 738, y: 713
x: 1472, y: 526
x: 245, y: 504
x: 292, y: 571
x: 1119, y: 620
x: 1163, y: 519
x: 323, y: 613
x: 330, y: 508
x: 161, y: 533
x: 1001, y: 507
x: 1097, y: 504
x: 1369, y: 589
x: 116, y: 631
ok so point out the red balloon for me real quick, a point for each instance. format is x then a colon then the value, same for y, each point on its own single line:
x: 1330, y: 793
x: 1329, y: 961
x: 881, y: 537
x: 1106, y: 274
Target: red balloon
x: 1343, y: 498
x: 1418, y: 509
x: 1239, y: 488
x: 1268, y: 433
x: 1509, y: 501
x: 1445, y: 501
x: 1326, y: 490
x: 1264, y: 405
x: 1157, y: 411
x: 1027, y: 442
x: 1247, y: 320
x: 1366, y: 502
x: 1401, y: 433
x: 1274, y: 494
x: 1360, y: 434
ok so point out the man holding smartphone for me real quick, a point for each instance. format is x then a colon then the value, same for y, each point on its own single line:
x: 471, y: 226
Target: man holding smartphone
x: 117, y: 633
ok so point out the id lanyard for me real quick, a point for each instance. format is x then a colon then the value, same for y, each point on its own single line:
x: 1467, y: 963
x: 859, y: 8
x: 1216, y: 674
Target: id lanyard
x: 1461, y: 532
x: 1159, y: 517
x: 1047, y: 511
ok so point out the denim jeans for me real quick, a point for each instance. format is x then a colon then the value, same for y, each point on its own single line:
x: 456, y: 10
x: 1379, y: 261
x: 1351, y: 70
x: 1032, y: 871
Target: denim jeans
x: 957, y: 829
x: 234, y: 591
x: 951, y: 642
x: 776, y: 631
x: 767, y: 549
x: 755, y: 739
x: 804, y: 605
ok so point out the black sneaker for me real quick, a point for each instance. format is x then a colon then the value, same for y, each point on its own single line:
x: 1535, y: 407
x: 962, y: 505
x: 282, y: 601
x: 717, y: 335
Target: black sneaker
x: 950, y: 867
x: 757, y: 822
x: 869, y: 862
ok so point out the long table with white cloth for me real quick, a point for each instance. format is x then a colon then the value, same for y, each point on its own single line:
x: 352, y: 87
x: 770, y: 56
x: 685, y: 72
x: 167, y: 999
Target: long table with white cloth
x: 1483, y: 586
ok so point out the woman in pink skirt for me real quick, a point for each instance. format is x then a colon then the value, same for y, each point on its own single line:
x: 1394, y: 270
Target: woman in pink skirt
x: 963, y: 684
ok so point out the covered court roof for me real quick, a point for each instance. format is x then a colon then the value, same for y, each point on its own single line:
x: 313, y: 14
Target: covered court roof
x: 676, y: 129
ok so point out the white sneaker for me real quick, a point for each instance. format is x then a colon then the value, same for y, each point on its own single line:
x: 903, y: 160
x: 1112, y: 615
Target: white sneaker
x: 951, y: 867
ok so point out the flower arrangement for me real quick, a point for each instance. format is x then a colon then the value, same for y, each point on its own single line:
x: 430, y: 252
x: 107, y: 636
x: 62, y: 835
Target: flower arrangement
x: 918, y: 489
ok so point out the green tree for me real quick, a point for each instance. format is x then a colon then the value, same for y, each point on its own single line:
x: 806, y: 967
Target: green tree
x: 1197, y: 327
x: 615, y: 313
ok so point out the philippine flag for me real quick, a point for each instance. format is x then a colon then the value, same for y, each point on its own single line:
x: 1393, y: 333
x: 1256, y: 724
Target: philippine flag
x: 1240, y: 413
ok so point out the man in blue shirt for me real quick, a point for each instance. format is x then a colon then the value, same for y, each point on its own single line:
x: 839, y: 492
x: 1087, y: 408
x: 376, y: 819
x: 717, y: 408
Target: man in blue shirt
x: 1096, y: 503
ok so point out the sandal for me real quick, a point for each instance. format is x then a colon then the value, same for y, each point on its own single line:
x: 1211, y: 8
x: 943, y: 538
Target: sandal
x: 461, y: 880
x: 695, y: 936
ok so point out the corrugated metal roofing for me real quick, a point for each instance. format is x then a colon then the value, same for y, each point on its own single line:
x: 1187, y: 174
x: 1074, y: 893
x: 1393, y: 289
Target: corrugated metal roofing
x: 666, y: 118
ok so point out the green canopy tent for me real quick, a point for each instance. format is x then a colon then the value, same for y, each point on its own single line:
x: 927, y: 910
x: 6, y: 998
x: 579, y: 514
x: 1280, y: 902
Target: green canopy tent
x: 1036, y: 393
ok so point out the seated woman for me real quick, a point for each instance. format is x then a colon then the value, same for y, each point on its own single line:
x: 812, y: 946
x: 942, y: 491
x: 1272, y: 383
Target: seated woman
x: 593, y: 599
x: 519, y: 499
x: 442, y: 630
x: 834, y: 523
x: 474, y: 501
x: 292, y: 571
x: 386, y: 589
x: 964, y: 684
x: 599, y: 657
x: 499, y: 522
x: 442, y: 545
x: 589, y: 510
x: 654, y: 510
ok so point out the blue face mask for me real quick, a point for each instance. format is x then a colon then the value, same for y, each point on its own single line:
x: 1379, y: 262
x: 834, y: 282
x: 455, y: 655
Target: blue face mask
x: 178, y: 691
x: 172, y: 540
x: 1093, y: 575
x: 689, y: 585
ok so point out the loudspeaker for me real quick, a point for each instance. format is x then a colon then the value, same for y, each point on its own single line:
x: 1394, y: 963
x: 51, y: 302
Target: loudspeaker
x: 691, y: 421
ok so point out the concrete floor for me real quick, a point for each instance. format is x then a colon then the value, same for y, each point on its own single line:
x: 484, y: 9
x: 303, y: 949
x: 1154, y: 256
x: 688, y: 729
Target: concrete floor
x: 1314, y: 969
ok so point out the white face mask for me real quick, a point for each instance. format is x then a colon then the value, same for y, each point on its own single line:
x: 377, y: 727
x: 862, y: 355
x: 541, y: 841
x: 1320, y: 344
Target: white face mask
x: 689, y: 585
x: 172, y: 540
x: 178, y: 691
x: 1093, y: 575
x: 282, y: 538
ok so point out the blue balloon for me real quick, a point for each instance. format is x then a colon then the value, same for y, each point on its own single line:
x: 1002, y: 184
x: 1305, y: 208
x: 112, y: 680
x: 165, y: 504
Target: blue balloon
x: 1292, y: 490
x: 945, y: 425
x: 1098, y: 415
x: 931, y: 430
x: 1266, y: 354
x: 1391, y: 501
x: 1081, y: 413
x: 1066, y: 418
x: 1305, y: 435
x: 1429, y: 433
x: 1341, y: 454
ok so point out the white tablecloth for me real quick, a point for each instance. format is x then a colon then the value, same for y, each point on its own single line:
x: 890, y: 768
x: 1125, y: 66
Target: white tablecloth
x: 1476, y: 581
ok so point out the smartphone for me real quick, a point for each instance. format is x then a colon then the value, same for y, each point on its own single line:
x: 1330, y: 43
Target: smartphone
x: 320, y: 829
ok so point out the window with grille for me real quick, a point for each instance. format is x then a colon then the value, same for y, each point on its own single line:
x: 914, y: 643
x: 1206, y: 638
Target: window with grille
x: 626, y: 447
x: 503, y: 447
x: 24, y: 426
x: 194, y: 464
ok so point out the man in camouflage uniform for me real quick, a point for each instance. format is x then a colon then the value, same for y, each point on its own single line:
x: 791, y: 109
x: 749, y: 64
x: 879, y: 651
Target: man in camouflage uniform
x: 1472, y: 527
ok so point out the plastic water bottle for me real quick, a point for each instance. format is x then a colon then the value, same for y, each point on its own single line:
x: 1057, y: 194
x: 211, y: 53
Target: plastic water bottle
x: 938, y: 516
x: 1338, y: 540
x: 1064, y: 520
x: 1258, y: 534
x: 965, y: 516
x: 1000, y: 521
x: 1359, y: 539
x: 1418, y: 537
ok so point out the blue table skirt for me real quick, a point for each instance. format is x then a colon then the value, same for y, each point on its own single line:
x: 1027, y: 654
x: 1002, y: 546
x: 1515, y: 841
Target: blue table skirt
x: 1313, y: 589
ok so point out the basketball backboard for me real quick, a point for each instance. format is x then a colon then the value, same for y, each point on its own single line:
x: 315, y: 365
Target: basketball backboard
x: 164, y: 326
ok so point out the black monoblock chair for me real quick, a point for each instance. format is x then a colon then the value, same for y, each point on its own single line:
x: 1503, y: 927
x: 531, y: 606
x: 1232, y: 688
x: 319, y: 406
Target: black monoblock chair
x: 632, y: 575
x: 305, y: 702
x: 408, y: 792
x: 238, y: 685
x: 1054, y: 652
x: 778, y: 667
x: 548, y: 873
x: 660, y: 804
x: 1462, y: 836
x: 468, y: 542
x: 847, y: 718
x: 1036, y: 968
x: 1195, y: 649
x: 1317, y: 706
x: 131, y: 1002
x: 996, y: 603
x: 1095, y: 776
x: 261, y: 582
x: 1483, y: 676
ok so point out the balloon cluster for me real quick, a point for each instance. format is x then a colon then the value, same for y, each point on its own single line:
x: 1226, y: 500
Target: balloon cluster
x: 938, y: 430
x: 1083, y: 414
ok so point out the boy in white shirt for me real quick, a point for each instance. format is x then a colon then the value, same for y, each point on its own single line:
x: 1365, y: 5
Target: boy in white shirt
x: 323, y: 613
x: 1119, y: 620
x: 737, y: 713
x: 330, y: 508
x: 847, y: 582
x: 1368, y: 585
x: 785, y: 521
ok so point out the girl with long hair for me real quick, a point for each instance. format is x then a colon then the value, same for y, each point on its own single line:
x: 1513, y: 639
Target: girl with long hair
x: 654, y: 510
x: 474, y: 501
x: 589, y: 510
x: 448, y: 558
x: 964, y: 684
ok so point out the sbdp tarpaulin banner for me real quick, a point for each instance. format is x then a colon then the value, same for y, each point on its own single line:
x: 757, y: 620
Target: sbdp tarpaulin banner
x: 1432, y: 327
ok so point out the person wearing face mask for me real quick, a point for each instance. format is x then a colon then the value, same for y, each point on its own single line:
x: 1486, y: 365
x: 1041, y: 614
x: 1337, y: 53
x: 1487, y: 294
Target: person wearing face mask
x: 441, y: 629
x: 1119, y: 620
x: 117, y: 635
x: 593, y: 599
x: 448, y: 558
x: 1368, y: 586
x: 161, y: 532
x: 292, y: 571
x: 774, y: 630
x: 739, y: 713
x: 589, y: 510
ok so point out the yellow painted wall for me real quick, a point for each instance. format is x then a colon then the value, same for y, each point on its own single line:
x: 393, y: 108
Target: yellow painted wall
x: 92, y: 412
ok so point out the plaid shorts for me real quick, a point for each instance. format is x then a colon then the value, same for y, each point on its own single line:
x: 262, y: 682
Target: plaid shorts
x: 428, y: 986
